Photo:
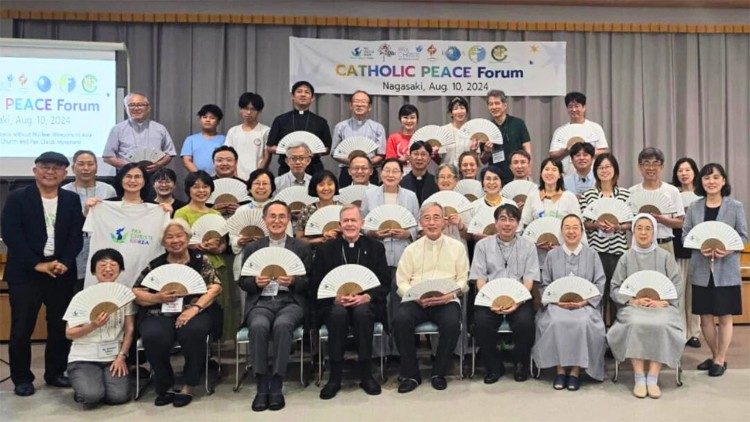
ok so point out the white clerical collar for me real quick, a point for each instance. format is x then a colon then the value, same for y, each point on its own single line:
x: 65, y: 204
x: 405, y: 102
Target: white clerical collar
x: 359, y: 122
x: 301, y: 111
x: 570, y: 252
x: 280, y: 242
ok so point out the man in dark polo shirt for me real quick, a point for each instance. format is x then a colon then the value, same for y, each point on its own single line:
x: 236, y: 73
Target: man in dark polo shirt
x: 515, y: 135
x: 301, y: 118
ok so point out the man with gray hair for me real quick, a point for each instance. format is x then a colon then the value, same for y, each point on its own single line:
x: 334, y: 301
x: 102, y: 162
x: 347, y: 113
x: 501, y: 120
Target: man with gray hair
x: 138, y: 132
x: 298, y: 156
x: 359, y: 311
x: 514, y: 131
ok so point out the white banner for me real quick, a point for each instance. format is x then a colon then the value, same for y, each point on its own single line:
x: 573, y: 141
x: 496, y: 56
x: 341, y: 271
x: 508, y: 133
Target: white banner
x: 428, y: 67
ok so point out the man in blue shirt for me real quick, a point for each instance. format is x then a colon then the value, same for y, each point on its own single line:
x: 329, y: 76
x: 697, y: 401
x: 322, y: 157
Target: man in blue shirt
x: 582, y: 179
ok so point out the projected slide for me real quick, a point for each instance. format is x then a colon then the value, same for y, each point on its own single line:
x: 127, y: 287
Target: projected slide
x: 55, y: 104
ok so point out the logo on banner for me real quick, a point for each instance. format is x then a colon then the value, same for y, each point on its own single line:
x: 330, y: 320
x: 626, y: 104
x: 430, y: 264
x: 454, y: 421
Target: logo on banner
x: 43, y: 84
x: 431, y: 51
x: 386, y: 51
x: 88, y: 83
x: 452, y: 53
x: 362, y: 53
x: 406, y: 53
x: 22, y: 80
x: 499, y: 53
x: 477, y: 53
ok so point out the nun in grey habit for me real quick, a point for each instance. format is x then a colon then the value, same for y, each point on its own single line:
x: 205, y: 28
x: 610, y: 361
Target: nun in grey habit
x: 646, y: 330
x: 571, y: 335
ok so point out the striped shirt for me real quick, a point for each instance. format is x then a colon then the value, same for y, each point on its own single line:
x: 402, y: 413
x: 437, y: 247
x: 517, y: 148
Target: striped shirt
x: 615, y: 243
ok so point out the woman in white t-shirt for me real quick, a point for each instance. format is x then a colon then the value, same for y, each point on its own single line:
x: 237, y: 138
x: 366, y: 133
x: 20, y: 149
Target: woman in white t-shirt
x: 458, y: 109
x: 96, y: 363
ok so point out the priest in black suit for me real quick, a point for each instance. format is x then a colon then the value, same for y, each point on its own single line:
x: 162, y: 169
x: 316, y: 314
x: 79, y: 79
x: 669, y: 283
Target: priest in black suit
x: 359, y: 311
x: 42, y: 229
x: 419, y: 180
x: 274, y: 308
x: 301, y: 118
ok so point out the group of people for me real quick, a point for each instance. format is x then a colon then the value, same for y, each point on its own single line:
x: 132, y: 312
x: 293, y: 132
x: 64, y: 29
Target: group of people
x: 50, y: 256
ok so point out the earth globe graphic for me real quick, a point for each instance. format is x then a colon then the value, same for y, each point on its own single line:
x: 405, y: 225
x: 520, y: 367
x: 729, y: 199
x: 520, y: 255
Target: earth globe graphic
x: 43, y: 83
x: 66, y: 83
x: 453, y: 53
x: 477, y: 53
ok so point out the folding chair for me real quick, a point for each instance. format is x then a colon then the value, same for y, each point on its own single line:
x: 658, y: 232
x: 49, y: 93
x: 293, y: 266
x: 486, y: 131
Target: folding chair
x: 378, y: 331
x: 244, y: 338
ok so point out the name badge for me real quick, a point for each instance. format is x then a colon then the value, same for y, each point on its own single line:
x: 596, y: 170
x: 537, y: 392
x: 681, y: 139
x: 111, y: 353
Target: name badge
x: 498, y: 156
x: 172, y: 307
x: 271, y: 289
x: 108, y: 349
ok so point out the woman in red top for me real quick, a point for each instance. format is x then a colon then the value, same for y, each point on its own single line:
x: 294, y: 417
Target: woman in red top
x: 397, y: 145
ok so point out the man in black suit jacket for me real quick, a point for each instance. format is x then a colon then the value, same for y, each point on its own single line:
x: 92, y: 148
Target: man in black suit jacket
x: 419, y: 180
x: 42, y: 229
x: 359, y: 311
x: 274, y: 307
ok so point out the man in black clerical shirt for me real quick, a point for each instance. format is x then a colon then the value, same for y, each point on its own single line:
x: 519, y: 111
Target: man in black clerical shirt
x: 301, y: 118
x: 419, y: 180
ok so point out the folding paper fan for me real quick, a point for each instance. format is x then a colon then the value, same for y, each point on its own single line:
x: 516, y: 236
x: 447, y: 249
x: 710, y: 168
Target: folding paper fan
x: 247, y: 222
x: 651, y: 284
x: 651, y: 202
x: 714, y: 235
x: 145, y: 154
x: 688, y: 197
x: 228, y: 190
x: 209, y: 226
x: 175, y: 277
x: 437, y: 136
x: 353, y: 194
x: 470, y: 188
x: 502, y: 293
x: 569, y: 289
x: 352, y: 144
x: 483, y: 222
x: 451, y: 201
x: 611, y: 210
x: 296, y: 197
x: 92, y: 301
x: 313, y: 142
x: 545, y: 229
x: 389, y: 216
x: 519, y: 190
x: 571, y: 134
x: 430, y: 288
x: 273, y: 262
x: 483, y: 130
x: 322, y: 220
x: 345, y: 280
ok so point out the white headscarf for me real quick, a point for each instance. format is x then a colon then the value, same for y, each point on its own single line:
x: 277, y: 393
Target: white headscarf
x: 634, y: 243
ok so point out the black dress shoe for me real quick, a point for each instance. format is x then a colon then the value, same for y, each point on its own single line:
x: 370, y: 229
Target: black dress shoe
x: 276, y: 401
x: 439, y: 383
x: 694, y: 342
x: 520, y: 372
x: 705, y: 365
x: 260, y: 402
x: 24, y: 389
x: 182, y: 400
x: 492, y: 377
x: 717, y: 370
x: 407, y: 385
x: 59, y: 381
x: 370, y: 386
x: 164, y: 399
x: 330, y: 390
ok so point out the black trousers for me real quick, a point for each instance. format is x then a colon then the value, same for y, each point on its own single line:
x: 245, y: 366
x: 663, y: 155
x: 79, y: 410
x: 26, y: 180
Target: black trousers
x: 338, y: 319
x: 158, y: 335
x: 408, y: 316
x: 521, y: 323
x: 26, y: 299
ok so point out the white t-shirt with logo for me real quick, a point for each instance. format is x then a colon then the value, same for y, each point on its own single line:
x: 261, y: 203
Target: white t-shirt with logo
x: 249, y: 146
x: 135, y: 230
x: 594, y: 136
x: 102, y: 344
x: 50, y: 216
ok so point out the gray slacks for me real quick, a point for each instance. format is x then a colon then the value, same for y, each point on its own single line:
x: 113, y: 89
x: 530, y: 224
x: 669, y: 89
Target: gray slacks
x: 272, y: 318
x: 93, y: 383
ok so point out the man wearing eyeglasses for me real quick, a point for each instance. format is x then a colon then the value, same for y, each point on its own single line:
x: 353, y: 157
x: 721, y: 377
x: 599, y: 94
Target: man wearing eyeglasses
x: 360, y: 104
x: 42, y: 229
x: 136, y: 133
x: 419, y: 180
x: 298, y: 157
